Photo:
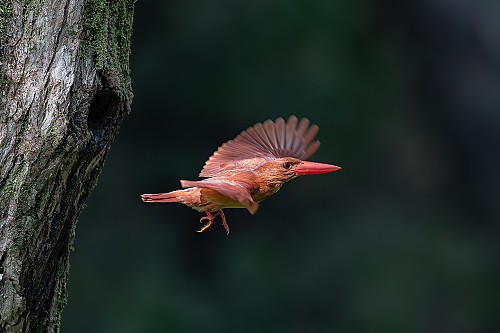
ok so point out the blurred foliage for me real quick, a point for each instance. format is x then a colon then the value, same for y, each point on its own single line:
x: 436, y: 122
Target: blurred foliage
x: 404, y: 239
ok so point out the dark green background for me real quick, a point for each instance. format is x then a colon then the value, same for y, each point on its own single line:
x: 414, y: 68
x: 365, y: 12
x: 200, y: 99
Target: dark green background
x: 404, y: 239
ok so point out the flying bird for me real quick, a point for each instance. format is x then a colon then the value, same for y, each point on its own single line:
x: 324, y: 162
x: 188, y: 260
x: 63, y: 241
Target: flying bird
x: 245, y: 171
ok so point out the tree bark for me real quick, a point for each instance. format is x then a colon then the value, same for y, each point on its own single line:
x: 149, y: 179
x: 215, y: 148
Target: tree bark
x: 65, y: 87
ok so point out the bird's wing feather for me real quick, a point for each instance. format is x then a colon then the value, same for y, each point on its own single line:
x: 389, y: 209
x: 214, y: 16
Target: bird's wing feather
x: 235, y: 189
x: 261, y: 143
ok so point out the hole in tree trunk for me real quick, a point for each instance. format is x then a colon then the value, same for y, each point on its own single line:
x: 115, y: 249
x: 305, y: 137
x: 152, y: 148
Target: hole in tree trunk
x: 103, y: 109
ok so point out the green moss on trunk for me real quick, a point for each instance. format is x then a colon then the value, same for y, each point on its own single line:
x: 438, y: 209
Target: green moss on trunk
x: 6, y: 16
x: 5, y: 20
x: 107, y: 30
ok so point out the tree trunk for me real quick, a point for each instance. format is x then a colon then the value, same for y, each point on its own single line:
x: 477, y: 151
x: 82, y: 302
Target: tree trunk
x: 65, y: 87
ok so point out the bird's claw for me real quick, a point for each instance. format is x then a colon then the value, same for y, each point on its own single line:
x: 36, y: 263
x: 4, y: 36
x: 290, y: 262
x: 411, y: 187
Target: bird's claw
x: 211, y: 218
x: 206, y: 226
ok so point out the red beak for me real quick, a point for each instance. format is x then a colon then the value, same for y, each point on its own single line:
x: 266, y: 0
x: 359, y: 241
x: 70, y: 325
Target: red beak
x: 313, y: 168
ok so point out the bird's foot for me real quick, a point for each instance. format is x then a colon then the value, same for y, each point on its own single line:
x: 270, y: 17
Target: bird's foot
x: 211, y: 218
x: 223, y: 218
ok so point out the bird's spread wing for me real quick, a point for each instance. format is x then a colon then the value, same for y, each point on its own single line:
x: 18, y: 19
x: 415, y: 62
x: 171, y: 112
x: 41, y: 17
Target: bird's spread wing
x: 235, y: 189
x: 262, y: 142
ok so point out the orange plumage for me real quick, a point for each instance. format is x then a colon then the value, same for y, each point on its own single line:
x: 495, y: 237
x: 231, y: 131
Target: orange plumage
x: 245, y: 171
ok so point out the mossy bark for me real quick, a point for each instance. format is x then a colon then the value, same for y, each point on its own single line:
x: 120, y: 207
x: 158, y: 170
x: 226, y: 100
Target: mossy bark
x: 65, y: 87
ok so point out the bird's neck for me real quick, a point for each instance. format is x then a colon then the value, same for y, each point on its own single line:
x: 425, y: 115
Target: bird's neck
x: 266, y: 186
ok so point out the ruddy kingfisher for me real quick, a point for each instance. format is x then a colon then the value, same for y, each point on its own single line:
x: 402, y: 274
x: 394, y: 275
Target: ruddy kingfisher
x: 245, y: 171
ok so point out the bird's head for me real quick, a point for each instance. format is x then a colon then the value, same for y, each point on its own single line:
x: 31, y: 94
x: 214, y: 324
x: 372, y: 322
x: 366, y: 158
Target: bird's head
x: 281, y: 170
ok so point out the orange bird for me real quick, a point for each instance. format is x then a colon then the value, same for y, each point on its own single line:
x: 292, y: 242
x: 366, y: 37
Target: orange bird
x: 249, y: 169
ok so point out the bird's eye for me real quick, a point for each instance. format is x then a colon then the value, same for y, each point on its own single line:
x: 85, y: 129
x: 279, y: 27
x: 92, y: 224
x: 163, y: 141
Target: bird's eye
x: 286, y: 165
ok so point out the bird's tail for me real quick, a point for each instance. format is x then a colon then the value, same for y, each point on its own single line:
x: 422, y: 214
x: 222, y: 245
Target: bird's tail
x: 174, y: 196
